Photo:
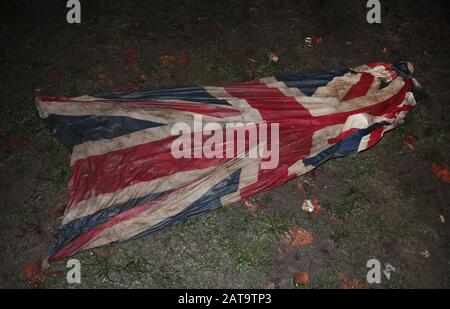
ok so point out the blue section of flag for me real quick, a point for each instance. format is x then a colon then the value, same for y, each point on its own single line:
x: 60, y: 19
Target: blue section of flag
x: 308, y: 83
x: 75, y: 130
x: 76, y: 227
x: 192, y: 94
x: 344, y: 147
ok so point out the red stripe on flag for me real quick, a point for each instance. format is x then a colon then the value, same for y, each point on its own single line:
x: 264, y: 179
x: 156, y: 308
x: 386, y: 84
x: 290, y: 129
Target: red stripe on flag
x: 342, y: 136
x: 115, y: 170
x: 360, y: 88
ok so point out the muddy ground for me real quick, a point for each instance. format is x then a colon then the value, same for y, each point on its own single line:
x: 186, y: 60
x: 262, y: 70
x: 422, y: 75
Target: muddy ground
x: 384, y: 203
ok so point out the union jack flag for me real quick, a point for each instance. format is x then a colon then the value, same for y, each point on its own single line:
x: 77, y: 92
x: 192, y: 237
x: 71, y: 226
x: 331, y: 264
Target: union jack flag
x: 125, y: 182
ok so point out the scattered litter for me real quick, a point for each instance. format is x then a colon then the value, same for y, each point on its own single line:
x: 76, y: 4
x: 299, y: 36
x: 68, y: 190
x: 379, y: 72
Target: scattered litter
x: 301, y: 278
x: 425, y: 254
x: 441, y: 171
x: 270, y: 286
x: 45, y: 265
x: 311, y: 205
x: 441, y: 216
x: 304, y: 182
x: 272, y: 57
x: 59, y: 210
x: 300, y: 187
x: 347, y: 283
x: 251, y: 204
x: 409, y: 142
x: 308, y: 41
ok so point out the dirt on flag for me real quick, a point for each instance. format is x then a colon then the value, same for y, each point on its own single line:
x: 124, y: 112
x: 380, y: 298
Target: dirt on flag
x: 126, y: 181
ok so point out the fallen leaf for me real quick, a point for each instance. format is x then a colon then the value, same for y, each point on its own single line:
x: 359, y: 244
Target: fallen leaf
x: 102, y: 251
x: 15, y: 142
x: 168, y: 61
x: 347, y: 283
x: 316, y: 205
x: 129, y: 54
x: 300, y: 236
x: 296, y: 237
x: 301, y: 278
x: 409, y: 142
x: 183, y: 59
x: 32, y: 269
x: 34, y: 275
x: 131, y: 86
x: 441, y: 171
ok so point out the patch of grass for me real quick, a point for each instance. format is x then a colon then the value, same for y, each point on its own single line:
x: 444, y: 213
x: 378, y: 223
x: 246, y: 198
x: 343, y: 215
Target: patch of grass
x: 267, y: 69
x: 375, y: 226
x: 364, y: 165
x: 339, y: 235
x: 216, y: 69
x: 131, y: 264
x: 402, y: 230
x: 353, y: 205
x: 154, y: 71
x: 252, y: 254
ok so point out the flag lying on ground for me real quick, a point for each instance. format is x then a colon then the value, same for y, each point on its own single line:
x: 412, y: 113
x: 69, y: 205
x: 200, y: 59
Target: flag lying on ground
x: 126, y: 181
